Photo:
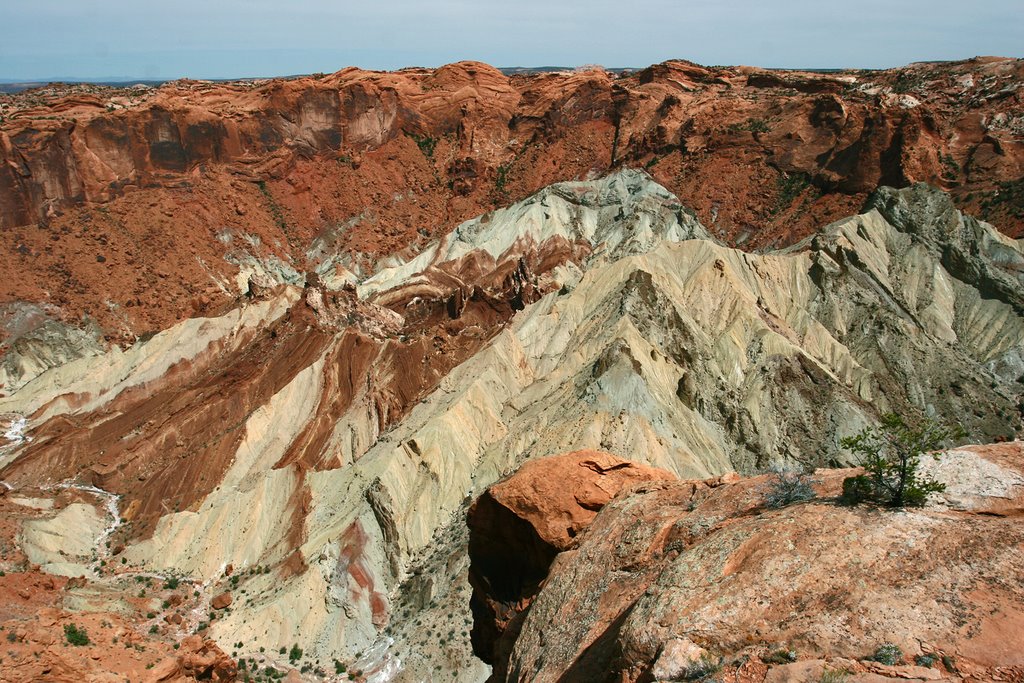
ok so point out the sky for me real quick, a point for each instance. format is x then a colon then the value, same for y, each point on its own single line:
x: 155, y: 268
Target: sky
x: 146, y: 39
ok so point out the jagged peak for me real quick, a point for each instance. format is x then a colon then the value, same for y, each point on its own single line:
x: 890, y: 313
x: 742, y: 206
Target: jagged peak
x: 620, y: 214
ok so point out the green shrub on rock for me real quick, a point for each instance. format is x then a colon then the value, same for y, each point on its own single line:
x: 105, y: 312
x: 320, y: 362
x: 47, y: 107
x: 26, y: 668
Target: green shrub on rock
x: 75, y: 635
x: 888, y: 654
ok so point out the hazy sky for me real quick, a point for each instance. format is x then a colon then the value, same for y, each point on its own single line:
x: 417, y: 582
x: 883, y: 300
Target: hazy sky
x: 42, y: 39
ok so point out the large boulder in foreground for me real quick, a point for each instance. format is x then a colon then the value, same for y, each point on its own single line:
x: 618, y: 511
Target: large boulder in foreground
x: 671, y: 579
x: 519, y: 525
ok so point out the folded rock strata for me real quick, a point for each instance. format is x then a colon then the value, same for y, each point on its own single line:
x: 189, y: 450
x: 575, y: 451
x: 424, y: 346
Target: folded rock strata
x: 332, y: 435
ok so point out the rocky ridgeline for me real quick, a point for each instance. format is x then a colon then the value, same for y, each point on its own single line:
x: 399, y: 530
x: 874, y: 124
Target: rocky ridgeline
x: 138, y: 207
x: 325, y: 440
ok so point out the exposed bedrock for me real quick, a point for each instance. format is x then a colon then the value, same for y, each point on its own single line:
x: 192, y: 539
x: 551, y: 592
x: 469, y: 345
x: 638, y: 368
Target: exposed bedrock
x: 173, y: 193
x: 333, y: 433
x: 518, y: 526
x: 671, y: 576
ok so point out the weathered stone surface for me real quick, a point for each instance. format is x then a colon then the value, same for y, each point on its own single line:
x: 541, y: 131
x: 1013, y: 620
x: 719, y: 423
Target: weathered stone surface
x: 518, y: 526
x: 831, y: 584
x: 221, y: 601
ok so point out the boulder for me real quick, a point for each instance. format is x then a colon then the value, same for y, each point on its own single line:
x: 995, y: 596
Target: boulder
x: 221, y: 601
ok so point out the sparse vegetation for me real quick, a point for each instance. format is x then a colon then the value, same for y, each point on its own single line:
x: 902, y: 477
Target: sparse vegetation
x: 889, y: 654
x: 906, y: 82
x: 834, y: 676
x: 75, y: 635
x: 950, y: 169
x: 501, y: 183
x: 703, y: 668
x: 751, y: 125
x: 1008, y: 196
x: 927, y: 660
x: 788, y: 488
x: 891, y: 454
x: 780, y: 657
x: 275, y: 210
x: 171, y: 583
x: 426, y: 144
x: 789, y: 187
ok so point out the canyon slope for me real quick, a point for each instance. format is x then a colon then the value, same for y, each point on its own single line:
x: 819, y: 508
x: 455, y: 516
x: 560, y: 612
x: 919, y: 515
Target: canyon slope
x: 128, y: 210
x: 304, y: 461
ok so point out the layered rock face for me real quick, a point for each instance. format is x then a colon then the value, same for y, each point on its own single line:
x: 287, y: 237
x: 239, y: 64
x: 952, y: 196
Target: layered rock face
x: 314, y: 449
x: 518, y: 526
x: 140, y: 207
x: 672, y: 575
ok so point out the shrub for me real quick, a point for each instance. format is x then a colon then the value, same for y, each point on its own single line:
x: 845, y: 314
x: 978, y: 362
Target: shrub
x: 425, y: 143
x: 888, y: 654
x: 75, y: 635
x: 295, y: 654
x: 171, y: 583
x: 891, y: 454
x: 926, y: 660
x: 702, y: 668
x: 834, y: 676
x: 789, y: 487
x: 781, y: 657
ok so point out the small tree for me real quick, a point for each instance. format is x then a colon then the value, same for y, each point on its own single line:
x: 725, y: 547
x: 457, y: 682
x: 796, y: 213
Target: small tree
x: 891, y: 454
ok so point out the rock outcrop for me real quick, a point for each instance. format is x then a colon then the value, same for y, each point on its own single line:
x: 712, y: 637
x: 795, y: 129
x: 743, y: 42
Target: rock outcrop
x: 518, y: 526
x: 674, y: 576
x: 141, y: 207
x: 93, y: 631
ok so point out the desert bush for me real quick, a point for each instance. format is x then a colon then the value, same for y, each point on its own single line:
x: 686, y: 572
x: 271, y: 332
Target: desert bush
x: 834, y: 676
x: 789, y: 487
x: 888, y: 654
x: 75, y: 635
x: 703, y: 668
x: 781, y: 657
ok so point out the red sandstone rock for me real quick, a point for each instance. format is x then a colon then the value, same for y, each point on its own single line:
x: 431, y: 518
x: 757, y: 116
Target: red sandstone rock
x: 680, y: 560
x: 138, y: 200
x: 559, y: 496
x: 221, y: 601
x: 519, y: 525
